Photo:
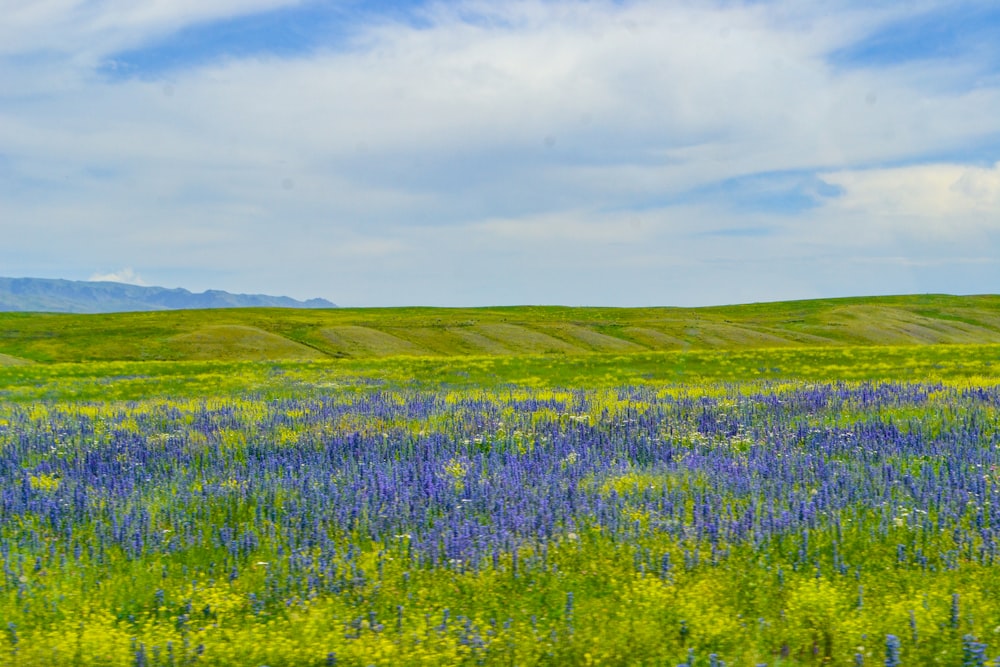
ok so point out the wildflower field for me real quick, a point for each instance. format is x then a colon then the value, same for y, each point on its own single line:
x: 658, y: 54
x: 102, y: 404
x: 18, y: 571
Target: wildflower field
x: 585, y: 511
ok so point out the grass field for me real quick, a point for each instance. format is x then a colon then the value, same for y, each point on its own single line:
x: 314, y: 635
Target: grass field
x: 132, y: 380
x: 779, y: 484
x: 265, y: 334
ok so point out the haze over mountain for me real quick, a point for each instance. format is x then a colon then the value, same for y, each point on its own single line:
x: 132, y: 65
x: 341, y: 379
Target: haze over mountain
x: 75, y: 296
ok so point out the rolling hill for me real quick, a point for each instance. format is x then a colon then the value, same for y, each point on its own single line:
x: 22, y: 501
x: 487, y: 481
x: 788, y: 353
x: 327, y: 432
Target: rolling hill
x: 269, y: 333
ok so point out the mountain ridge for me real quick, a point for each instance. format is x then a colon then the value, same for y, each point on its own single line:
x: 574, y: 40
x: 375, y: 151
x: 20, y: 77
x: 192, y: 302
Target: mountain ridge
x: 55, y: 295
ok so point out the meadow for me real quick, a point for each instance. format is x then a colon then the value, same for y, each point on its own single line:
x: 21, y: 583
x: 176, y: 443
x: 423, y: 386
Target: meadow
x: 796, y: 505
x: 258, y: 334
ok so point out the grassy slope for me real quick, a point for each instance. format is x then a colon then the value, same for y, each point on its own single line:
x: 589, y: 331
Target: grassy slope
x: 270, y: 334
x: 7, y: 360
x: 214, y: 353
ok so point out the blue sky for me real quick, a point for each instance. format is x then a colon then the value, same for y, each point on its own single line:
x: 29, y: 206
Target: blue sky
x: 480, y: 153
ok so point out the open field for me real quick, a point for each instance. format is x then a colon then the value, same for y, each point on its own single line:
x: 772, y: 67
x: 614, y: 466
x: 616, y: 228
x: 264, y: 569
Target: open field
x: 263, y: 334
x: 792, y: 524
x: 806, y: 504
x: 128, y: 380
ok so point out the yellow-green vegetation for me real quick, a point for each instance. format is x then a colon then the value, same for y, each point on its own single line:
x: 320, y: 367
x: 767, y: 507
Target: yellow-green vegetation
x: 786, y: 523
x: 222, y: 341
x: 125, y: 380
x: 259, y: 334
x: 7, y: 360
x: 780, y: 484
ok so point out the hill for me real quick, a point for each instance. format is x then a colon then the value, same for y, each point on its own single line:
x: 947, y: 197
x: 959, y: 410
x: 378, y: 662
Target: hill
x: 260, y: 334
x: 74, y: 296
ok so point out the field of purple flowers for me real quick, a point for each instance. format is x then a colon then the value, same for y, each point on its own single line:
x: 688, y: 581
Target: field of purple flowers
x: 843, y: 524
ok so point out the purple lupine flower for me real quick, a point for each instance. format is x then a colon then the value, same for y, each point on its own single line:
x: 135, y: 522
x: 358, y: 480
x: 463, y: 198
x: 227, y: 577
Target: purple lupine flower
x: 892, y: 651
x: 973, y: 652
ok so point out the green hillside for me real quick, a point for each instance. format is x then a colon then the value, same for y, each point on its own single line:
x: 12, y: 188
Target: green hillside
x: 372, y: 333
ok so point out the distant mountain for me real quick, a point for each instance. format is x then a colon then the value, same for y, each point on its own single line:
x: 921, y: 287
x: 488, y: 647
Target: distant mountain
x: 76, y: 296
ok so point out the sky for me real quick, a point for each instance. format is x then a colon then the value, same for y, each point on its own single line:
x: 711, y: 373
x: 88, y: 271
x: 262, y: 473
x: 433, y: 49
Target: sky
x: 479, y: 152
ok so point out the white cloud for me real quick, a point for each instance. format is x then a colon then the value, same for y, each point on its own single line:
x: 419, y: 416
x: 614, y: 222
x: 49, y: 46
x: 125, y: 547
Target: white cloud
x: 571, y: 228
x: 946, y: 200
x: 126, y: 275
x: 639, y: 100
x: 87, y: 30
x: 491, y: 132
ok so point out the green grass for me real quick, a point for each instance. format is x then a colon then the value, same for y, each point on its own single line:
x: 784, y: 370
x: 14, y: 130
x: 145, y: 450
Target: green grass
x: 88, y: 366
x: 132, y: 380
x: 373, y: 333
x: 7, y: 360
x: 227, y: 352
x: 191, y: 469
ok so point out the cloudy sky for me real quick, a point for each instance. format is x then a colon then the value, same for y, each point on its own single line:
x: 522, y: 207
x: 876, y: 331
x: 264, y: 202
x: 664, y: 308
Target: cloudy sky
x: 477, y: 152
